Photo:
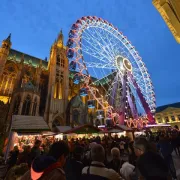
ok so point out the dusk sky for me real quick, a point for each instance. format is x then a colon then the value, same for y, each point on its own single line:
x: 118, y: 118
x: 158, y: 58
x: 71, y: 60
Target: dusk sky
x: 35, y: 24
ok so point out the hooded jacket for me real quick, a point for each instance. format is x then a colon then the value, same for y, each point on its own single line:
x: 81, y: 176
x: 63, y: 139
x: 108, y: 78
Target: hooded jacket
x: 44, y: 168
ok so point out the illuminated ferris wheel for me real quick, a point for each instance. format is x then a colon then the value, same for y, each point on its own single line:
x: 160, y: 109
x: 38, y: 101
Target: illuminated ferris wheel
x: 101, y: 56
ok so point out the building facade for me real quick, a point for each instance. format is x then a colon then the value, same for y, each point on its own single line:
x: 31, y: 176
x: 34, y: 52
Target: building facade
x: 170, y: 12
x: 169, y: 114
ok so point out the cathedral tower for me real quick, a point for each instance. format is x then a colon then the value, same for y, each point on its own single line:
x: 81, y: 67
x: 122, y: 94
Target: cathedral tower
x: 58, y: 85
x: 4, y: 52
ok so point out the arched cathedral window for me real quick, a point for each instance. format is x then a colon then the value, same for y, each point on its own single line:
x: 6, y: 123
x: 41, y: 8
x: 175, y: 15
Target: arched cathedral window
x: 34, y: 107
x: 26, y: 105
x: 62, y: 62
x: 16, y: 105
x: 58, y: 90
x: 58, y: 60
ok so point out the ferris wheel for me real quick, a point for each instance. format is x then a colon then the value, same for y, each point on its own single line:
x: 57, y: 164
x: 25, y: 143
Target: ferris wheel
x: 111, y: 71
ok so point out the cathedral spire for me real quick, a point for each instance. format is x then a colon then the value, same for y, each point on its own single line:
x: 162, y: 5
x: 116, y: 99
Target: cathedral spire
x: 8, y: 39
x: 60, y: 38
x: 7, y: 42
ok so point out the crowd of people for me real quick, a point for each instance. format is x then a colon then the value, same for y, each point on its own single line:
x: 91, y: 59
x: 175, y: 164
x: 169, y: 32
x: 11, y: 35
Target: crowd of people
x: 147, y: 157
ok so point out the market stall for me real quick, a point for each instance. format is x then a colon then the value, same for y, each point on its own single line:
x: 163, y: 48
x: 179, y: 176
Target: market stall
x: 86, y: 130
x: 118, y: 130
x: 25, y: 130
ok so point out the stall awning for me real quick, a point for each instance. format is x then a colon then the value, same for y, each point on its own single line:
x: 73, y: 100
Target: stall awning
x: 84, y: 129
x: 29, y: 124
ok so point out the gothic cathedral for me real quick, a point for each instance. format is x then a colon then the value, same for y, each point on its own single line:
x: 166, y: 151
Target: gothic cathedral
x: 34, y: 87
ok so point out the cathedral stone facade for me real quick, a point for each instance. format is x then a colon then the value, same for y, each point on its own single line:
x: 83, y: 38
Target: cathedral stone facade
x: 34, y: 87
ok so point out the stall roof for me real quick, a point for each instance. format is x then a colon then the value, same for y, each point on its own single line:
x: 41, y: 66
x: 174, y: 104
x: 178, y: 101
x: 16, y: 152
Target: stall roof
x: 157, y: 125
x: 113, y: 130
x: 84, y: 129
x: 29, y: 123
x: 63, y: 129
x: 124, y: 128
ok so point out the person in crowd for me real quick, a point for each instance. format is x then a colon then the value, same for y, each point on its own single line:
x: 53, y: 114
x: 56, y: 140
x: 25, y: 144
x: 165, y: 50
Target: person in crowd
x: 49, y: 167
x: 24, y: 157
x: 13, y: 157
x: 87, y: 157
x: 150, y: 164
x: 121, y: 146
x: 174, y: 143
x: 127, y: 171
x: 35, y: 151
x: 17, y: 171
x: 116, y: 162
x: 97, y: 169
x: 132, y: 155
x: 74, y: 165
x: 166, y: 149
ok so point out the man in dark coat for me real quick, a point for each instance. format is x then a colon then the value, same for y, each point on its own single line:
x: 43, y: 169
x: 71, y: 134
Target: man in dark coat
x: 49, y: 167
x: 74, y: 166
x: 150, y: 165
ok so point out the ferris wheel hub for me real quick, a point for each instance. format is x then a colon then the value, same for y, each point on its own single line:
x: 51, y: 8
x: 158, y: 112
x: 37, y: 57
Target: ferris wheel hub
x: 123, y: 64
x: 127, y: 64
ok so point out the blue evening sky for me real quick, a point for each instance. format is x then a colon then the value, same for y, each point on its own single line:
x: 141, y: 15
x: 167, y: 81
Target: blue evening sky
x: 35, y: 24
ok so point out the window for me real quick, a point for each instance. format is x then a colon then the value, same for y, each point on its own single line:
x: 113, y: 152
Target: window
x: 16, y: 105
x: 7, y: 79
x: 166, y: 119
x: 173, y: 118
x: 58, y: 60
x: 159, y: 120
x: 59, y: 76
x: 26, y: 105
x: 34, y: 107
x: 178, y: 117
x: 62, y: 62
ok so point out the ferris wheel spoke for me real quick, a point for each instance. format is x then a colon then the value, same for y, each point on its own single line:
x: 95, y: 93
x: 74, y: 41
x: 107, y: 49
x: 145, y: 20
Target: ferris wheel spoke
x: 101, y: 45
x: 93, y: 51
x: 108, y: 45
x: 92, y: 40
x: 100, y: 65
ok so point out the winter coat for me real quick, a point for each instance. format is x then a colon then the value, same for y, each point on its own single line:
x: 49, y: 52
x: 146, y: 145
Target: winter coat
x: 152, y: 166
x: 45, y: 168
x: 98, y: 171
x: 73, y: 169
